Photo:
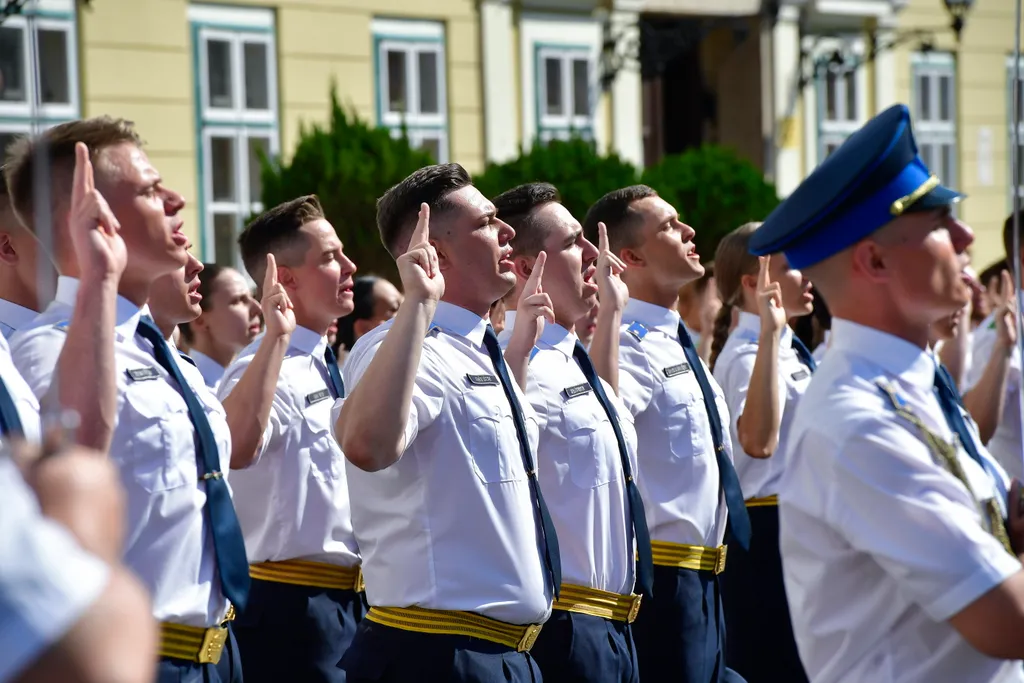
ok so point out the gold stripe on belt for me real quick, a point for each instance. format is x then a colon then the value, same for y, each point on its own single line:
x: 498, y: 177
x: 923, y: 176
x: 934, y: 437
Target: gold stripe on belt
x: 452, y: 623
x: 764, y: 502
x: 314, y: 574
x: 598, y: 603
x: 696, y: 557
x: 194, y: 643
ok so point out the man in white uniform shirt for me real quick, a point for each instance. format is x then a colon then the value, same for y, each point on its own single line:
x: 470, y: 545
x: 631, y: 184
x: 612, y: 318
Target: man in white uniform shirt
x: 686, y: 475
x: 19, y: 264
x: 587, y: 450
x: 896, y: 561
x: 306, y: 598
x: 183, y: 538
x: 459, y: 552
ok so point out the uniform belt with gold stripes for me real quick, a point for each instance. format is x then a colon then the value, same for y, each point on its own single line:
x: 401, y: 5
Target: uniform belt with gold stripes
x: 694, y: 557
x: 313, y: 574
x: 598, y: 603
x: 193, y: 643
x: 763, y: 502
x: 452, y: 623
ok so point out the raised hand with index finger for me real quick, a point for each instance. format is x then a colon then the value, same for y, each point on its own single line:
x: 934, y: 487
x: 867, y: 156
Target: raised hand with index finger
x: 418, y: 266
x: 278, y: 313
x: 611, y: 290
x: 93, y: 228
x: 769, y: 300
x: 534, y: 308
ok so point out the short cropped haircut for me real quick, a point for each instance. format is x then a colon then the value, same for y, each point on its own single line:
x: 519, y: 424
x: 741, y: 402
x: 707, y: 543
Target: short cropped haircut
x: 518, y: 207
x: 276, y: 231
x: 207, y: 276
x: 616, y: 211
x: 398, y: 209
x: 1008, y: 236
x: 56, y: 148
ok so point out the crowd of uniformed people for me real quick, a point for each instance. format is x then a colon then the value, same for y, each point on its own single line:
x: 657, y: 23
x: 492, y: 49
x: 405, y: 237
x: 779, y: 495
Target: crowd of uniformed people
x: 534, y: 461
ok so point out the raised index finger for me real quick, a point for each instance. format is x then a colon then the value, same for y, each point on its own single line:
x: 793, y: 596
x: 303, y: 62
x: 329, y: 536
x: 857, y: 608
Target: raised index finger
x: 602, y: 237
x: 762, y: 275
x: 421, y: 233
x: 82, y: 181
x: 270, y: 279
x: 533, y: 283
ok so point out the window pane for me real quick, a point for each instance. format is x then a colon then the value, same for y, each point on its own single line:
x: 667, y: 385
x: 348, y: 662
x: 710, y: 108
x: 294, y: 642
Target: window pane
x: 53, y: 67
x: 945, y: 98
x: 396, y: 81
x: 432, y: 145
x: 224, y: 240
x: 851, y: 95
x: 580, y: 87
x: 429, y: 88
x: 924, y: 97
x: 830, y: 97
x: 12, y: 65
x: 946, y: 169
x: 256, y: 145
x: 553, y: 104
x: 222, y: 161
x: 218, y: 68
x: 257, y: 76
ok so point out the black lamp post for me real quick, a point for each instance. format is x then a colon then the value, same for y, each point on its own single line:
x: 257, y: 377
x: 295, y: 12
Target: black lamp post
x: 958, y: 10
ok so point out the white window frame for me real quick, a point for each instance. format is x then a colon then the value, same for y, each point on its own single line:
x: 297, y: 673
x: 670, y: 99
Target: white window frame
x: 236, y: 26
x: 827, y: 132
x: 554, y: 126
x: 934, y: 132
x: 412, y: 38
x: 32, y: 115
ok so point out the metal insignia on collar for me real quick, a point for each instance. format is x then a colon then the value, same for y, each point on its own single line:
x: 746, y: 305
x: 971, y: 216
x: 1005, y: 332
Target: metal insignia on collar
x: 898, y: 401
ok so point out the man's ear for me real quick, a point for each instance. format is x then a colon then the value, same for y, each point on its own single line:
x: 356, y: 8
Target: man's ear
x: 522, y: 266
x: 443, y: 260
x: 632, y: 257
x: 868, y: 258
x: 8, y: 254
x: 286, y: 278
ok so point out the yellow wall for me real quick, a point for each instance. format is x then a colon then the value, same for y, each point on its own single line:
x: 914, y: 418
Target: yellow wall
x: 136, y: 62
x: 983, y: 100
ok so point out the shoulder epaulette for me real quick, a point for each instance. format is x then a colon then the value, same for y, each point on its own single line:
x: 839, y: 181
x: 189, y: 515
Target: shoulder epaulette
x: 637, y: 331
x: 62, y: 325
x: 533, y: 352
x: 188, y: 359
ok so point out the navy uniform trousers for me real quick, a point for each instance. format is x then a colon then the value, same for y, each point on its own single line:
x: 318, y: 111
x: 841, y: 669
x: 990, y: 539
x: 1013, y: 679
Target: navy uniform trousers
x: 227, y: 670
x: 761, y: 643
x: 680, y: 634
x: 297, y: 633
x: 580, y: 648
x: 382, y: 654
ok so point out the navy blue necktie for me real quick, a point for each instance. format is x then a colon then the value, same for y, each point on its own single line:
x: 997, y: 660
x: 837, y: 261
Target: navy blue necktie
x: 805, y: 355
x: 10, y: 421
x: 545, y: 527
x: 645, y: 566
x: 739, y: 520
x: 228, y: 543
x: 337, y: 384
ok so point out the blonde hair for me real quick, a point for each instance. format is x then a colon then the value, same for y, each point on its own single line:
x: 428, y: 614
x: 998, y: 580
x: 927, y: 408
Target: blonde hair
x: 733, y: 260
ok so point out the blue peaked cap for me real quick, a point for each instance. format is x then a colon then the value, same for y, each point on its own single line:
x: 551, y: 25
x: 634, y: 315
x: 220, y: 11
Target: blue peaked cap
x: 873, y: 178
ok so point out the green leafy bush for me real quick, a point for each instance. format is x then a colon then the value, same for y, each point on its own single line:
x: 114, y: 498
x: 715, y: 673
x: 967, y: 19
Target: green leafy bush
x: 349, y: 164
x: 714, y: 190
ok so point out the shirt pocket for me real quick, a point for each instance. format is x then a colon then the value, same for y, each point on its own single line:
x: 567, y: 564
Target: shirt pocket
x: 688, y: 427
x: 591, y: 443
x: 491, y: 435
x: 325, y: 457
x: 159, y: 452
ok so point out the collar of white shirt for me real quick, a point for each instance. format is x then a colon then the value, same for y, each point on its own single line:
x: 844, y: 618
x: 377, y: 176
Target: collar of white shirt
x: 208, y: 366
x: 461, y: 322
x: 15, y: 316
x: 309, y: 342
x: 896, y: 356
x: 126, y: 318
x: 652, y: 316
x: 558, y: 338
x: 750, y: 325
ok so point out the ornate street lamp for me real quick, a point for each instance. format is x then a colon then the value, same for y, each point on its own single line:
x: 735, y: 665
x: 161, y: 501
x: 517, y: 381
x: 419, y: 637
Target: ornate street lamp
x: 958, y: 10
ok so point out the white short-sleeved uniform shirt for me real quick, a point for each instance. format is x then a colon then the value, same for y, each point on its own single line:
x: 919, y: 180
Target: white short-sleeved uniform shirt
x: 451, y: 525
x: 211, y: 370
x: 167, y: 542
x: 25, y: 402
x: 14, y: 317
x: 819, y: 351
x: 1005, y: 443
x: 299, y: 465
x: 759, y: 477
x: 880, y: 544
x: 47, y: 581
x: 677, y: 468
x: 579, y: 465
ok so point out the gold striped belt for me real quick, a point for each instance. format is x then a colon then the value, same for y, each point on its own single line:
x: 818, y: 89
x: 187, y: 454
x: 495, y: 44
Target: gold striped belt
x: 314, y: 574
x: 598, y: 603
x: 193, y: 643
x: 452, y: 623
x: 694, y: 557
x: 766, y: 501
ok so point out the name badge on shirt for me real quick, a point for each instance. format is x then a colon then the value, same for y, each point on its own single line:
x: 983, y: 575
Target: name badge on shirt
x: 578, y: 390
x: 799, y: 375
x: 482, y: 380
x: 676, y: 370
x: 317, y: 396
x: 142, y: 374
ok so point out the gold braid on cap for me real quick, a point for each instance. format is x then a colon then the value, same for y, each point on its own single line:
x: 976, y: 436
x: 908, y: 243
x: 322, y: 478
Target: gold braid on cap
x: 901, y: 204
